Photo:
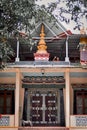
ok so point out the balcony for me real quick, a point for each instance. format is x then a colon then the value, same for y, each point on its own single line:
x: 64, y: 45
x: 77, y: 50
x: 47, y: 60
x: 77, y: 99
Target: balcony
x: 43, y: 64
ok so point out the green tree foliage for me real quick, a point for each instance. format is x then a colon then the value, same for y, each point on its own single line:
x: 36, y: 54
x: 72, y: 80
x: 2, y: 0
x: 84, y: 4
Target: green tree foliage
x: 16, y: 16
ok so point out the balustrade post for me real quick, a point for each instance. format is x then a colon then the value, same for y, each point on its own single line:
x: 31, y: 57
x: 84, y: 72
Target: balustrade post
x: 67, y: 58
x: 17, y: 57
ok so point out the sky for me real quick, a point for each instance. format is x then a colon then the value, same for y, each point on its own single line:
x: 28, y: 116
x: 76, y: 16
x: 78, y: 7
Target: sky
x: 69, y: 26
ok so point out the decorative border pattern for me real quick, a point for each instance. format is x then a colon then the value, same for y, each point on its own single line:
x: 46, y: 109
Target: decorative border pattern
x: 79, y: 86
x: 81, y: 121
x: 4, y: 121
x: 7, y: 86
x: 44, y: 79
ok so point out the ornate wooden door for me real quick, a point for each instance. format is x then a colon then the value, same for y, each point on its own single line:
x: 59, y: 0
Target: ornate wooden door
x: 43, y: 108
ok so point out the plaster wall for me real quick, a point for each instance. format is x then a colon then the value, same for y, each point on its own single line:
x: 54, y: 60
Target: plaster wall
x: 78, y: 80
x: 7, y: 80
x: 8, y: 128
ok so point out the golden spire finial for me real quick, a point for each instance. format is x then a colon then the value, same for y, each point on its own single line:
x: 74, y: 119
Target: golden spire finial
x: 42, y: 35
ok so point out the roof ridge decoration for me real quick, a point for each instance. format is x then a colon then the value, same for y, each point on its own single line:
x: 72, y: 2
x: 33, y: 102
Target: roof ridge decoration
x: 41, y: 53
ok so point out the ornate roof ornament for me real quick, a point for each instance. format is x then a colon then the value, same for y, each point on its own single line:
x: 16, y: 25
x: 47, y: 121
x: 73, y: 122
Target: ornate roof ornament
x: 42, y: 53
x: 42, y: 44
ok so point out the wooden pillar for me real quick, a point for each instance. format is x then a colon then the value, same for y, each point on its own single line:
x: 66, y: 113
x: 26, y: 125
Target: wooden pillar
x: 17, y: 90
x: 67, y: 109
x: 21, y: 104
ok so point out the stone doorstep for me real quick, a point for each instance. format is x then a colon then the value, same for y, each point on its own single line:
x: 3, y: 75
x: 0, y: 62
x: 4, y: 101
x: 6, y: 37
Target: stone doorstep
x: 43, y: 128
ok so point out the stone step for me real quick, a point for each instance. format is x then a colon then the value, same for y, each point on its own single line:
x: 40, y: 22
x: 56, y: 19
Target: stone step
x: 43, y: 128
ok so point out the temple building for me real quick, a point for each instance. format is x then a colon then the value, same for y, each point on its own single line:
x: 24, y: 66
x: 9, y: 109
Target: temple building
x: 45, y: 87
